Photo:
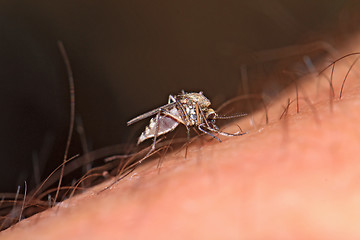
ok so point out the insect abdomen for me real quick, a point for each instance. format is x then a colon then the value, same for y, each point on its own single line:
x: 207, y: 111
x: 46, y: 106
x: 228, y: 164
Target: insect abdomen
x: 165, y: 124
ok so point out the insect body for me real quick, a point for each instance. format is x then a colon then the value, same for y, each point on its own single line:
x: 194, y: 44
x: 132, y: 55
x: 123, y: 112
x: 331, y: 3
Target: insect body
x: 189, y: 109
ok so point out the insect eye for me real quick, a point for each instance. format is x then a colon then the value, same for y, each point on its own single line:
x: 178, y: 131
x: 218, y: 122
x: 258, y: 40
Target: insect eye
x: 211, y: 115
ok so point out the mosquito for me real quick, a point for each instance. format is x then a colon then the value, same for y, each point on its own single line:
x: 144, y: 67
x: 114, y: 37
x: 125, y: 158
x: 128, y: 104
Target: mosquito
x: 190, y: 109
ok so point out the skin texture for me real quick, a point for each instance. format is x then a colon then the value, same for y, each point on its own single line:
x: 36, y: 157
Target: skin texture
x: 295, y: 178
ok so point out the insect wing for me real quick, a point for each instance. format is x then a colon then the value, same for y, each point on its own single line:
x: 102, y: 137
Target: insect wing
x: 150, y: 113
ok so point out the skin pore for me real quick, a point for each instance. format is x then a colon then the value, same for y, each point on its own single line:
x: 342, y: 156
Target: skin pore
x: 295, y: 178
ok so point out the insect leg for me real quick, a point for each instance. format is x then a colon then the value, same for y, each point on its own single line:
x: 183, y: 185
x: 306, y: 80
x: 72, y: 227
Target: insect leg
x: 183, y: 112
x: 197, y: 109
x: 166, y: 112
x: 185, y: 117
x: 171, y: 99
x: 216, y: 129
x: 155, y: 135
x: 202, y: 115
x: 202, y: 130
x: 180, y: 120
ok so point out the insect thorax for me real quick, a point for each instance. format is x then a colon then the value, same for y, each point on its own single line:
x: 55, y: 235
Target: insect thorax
x: 189, y: 101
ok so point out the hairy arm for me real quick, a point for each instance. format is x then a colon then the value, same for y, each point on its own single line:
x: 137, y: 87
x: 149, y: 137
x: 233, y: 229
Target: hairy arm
x: 296, y: 178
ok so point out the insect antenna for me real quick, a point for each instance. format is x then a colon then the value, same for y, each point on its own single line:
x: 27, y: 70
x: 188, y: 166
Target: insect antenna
x: 231, y: 116
x: 245, y: 97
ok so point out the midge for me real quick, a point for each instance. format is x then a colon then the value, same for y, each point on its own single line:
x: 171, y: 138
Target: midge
x: 189, y: 109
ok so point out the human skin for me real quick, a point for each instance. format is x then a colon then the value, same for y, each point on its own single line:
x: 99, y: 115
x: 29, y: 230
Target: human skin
x: 294, y: 178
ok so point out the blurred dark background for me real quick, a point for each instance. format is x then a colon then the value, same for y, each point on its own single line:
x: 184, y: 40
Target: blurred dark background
x: 128, y: 56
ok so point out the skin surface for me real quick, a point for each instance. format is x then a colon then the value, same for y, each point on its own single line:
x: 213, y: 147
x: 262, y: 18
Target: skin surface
x: 295, y: 178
